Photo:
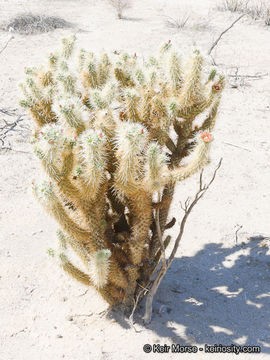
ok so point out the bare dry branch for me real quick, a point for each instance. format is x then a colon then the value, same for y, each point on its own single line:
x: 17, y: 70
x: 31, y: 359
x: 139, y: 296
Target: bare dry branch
x: 163, y: 270
x: 136, y: 302
x: 7, y: 127
x: 223, y: 32
x: 239, y: 227
x: 6, y: 44
x: 249, y: 76
x: 237, y: 146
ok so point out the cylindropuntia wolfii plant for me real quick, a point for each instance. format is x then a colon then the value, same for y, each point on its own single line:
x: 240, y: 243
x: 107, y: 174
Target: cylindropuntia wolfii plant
x: 113, y: 133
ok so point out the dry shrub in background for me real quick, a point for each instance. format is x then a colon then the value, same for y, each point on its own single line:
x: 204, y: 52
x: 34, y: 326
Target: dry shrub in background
x: 178, y: 22
x: 267, y: 17
x: 120, y: 6
x: 233, y: 5
x: 29, y: 24
x: 184, y: 19
x: 255, y: 9
x: 260, y: 10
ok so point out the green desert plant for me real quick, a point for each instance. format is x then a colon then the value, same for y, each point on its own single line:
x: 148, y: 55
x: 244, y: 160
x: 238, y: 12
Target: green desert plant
x: 114, y: 135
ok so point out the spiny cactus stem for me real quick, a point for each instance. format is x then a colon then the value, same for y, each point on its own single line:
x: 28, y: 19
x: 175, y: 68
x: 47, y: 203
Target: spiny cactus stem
x: 159, y: 234
x: 104, y: 138
x: 167, y: 197
x: 74, y: 230
x: 74, y: 271
x: 170, y: 145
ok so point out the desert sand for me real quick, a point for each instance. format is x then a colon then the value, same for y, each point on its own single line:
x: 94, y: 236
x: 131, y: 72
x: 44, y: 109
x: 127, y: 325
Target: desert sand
x: 218, y: 289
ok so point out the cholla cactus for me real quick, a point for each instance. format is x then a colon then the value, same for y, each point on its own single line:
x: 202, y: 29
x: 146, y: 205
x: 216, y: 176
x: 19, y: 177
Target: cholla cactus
x: 112, y: 133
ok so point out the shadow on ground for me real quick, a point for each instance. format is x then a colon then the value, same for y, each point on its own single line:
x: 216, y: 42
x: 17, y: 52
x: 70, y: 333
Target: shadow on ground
x: 219, y: 296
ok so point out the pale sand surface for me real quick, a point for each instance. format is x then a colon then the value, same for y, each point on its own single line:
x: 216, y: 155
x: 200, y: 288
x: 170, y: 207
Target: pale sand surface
x: 216, y: 292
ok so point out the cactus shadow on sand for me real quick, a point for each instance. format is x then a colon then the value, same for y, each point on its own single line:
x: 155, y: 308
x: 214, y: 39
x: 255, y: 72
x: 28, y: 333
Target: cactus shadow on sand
x: 214, y: 303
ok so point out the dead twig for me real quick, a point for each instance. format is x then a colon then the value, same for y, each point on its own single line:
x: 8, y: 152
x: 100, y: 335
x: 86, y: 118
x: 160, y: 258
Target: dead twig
x: 84, y: 293
x: 18, y: 332
x: 237, y: 146
x: 8, y: 127
x: 83, y: 315
x: 236, y: 232
x: 248, y: 76
x: 238, y: 77
x: 8, y: 112
x: 213, y: 60
x: 235, y: 76
x: 187, y: 207
x: 6, y: 44
x: 138, y: 297
x: 223, y: 32
x: 16, y: 150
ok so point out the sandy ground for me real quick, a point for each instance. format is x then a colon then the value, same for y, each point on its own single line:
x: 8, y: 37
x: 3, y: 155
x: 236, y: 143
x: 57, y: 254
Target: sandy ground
x: 217, y: 291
